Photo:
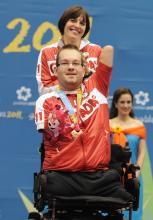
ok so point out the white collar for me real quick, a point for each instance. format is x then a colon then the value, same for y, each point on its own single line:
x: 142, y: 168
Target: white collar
x: 84, y: 42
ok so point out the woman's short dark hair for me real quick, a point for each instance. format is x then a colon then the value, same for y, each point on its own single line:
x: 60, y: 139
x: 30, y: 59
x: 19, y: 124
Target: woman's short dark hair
x: 72, y: 13
x: 117, y: 94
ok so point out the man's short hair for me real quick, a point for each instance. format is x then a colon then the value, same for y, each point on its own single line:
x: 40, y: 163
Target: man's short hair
x: 72, y: 13
x: 69, y: 46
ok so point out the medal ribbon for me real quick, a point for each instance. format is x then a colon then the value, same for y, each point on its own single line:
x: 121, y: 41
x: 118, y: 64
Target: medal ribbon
x: 71, y: 111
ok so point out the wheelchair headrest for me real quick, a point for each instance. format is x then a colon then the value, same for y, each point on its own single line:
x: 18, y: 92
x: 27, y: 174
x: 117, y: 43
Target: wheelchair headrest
x: 120, y: 154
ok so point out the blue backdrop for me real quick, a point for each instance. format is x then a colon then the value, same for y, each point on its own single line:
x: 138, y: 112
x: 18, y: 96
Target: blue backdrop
x: 27, y: 26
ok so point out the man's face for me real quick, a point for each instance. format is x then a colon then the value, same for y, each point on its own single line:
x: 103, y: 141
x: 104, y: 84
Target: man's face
x: 70, y: 71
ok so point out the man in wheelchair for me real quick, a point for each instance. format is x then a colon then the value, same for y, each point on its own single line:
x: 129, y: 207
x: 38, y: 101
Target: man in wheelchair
x: 74, y: 121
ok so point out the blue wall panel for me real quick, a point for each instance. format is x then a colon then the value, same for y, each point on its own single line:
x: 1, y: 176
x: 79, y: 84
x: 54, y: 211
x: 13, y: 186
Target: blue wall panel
x: 127, y: 25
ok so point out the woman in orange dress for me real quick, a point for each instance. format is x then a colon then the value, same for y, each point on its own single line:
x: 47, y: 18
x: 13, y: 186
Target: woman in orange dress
x: 125, y: 128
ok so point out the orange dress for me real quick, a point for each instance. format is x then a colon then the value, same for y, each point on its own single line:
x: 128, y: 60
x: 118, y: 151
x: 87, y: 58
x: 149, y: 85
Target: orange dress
x: 119, y: 134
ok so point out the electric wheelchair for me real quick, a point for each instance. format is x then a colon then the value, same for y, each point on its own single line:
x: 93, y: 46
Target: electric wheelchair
x: 88, y: 207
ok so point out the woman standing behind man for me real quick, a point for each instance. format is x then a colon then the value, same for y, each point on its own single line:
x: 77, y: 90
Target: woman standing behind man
x: 125, y: 128
x: 73, y: 25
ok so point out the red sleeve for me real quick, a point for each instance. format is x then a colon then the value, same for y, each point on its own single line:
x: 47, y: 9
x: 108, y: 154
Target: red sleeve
x: 45, y: 68
x: 44, y: 105
x: 102, y: 78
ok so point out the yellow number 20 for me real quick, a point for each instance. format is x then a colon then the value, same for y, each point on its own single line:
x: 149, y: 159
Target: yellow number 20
x: 16, y: 45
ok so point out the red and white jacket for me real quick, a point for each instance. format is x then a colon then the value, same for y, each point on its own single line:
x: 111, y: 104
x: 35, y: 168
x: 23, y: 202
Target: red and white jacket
x: 45, y: 74
x: 90, y: 151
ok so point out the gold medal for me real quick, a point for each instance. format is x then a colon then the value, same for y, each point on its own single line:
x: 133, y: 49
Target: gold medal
x: 74, y: 118
x: 75, y: 133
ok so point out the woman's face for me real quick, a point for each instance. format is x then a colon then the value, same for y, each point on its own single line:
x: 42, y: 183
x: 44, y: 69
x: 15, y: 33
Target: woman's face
x: 124, y: 104
x: 75, y: 28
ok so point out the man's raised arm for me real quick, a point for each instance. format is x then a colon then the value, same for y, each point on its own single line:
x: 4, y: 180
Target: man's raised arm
x: 107, y: 55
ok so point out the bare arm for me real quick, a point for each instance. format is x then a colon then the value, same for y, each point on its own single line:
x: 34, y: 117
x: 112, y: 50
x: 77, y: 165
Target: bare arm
x: 141, y: 155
